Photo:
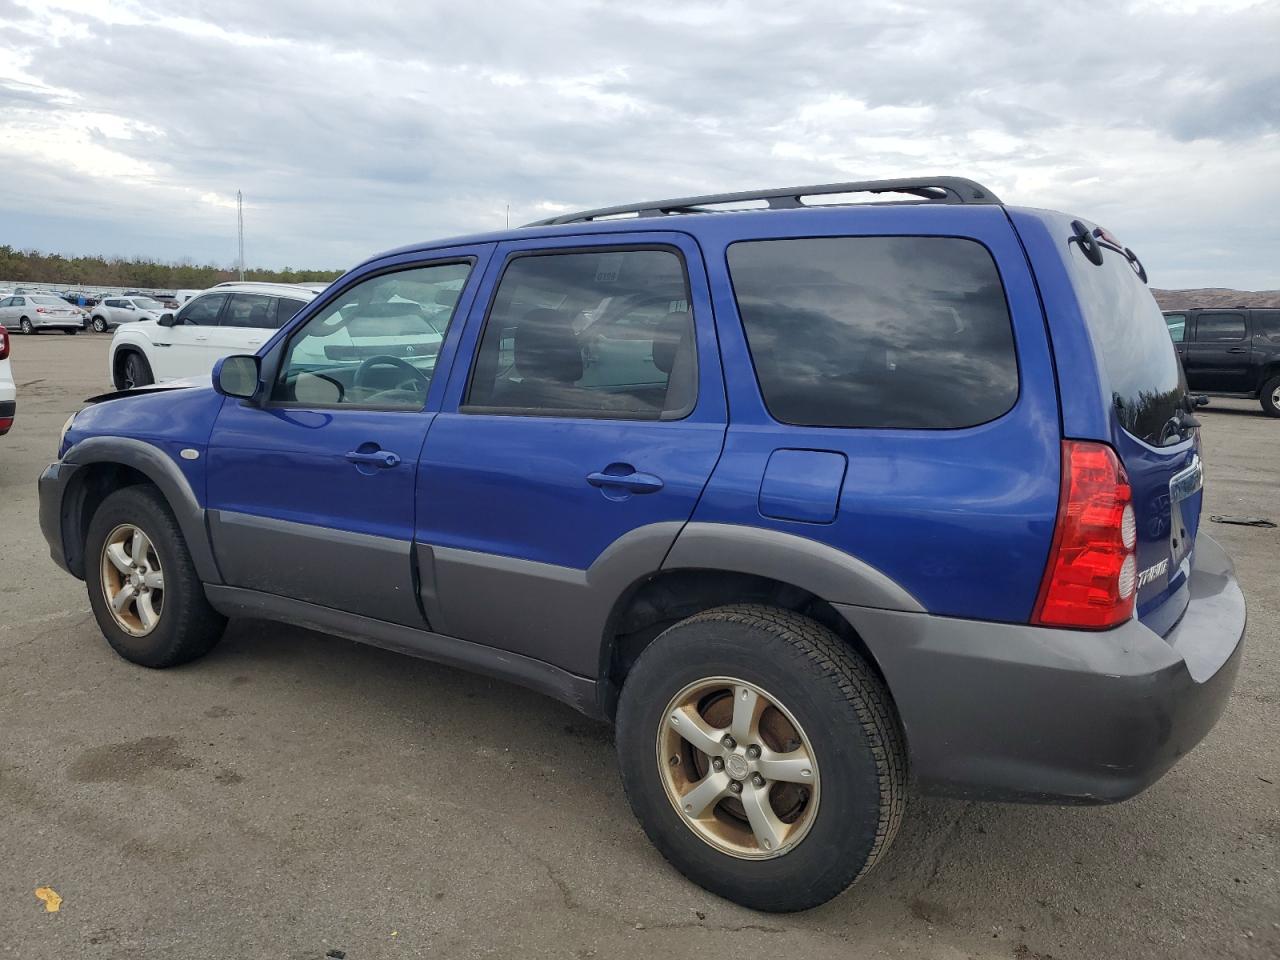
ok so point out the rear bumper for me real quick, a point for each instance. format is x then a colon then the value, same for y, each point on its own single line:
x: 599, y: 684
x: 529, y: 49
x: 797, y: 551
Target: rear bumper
x: 8, y: 410
x: 1014, y: 712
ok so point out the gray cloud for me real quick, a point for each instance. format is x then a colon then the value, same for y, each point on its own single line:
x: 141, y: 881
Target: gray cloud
x: 353, y: 128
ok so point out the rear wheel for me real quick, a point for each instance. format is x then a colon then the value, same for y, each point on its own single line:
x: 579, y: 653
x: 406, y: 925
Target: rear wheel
x: 142, y: 585
x: 762, y: 756
x: 1271, y: 397
x: 25, y: 325
x: 99, y: 325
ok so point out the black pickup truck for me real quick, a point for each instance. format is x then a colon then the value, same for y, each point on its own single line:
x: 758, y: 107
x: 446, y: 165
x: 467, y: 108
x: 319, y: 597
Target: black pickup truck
x: 1230, y: 352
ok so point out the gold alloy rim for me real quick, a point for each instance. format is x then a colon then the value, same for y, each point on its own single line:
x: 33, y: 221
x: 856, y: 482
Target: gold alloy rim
x: 132, y: 581
x: 738, y: 768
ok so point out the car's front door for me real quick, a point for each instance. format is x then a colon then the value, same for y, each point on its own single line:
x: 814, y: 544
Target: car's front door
x: 1217, y: 359
x: 311, y: 490
x: 582, y: 420
x: 182, y: 350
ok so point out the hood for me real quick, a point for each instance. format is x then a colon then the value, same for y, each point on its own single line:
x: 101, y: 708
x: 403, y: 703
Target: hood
x: 185, y: 384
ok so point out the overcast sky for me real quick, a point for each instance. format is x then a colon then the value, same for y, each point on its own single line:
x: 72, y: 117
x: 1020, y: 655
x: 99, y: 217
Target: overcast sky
x: 126, y: 128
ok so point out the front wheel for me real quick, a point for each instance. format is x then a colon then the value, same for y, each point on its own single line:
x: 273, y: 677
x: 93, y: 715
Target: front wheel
x: 1271, y: 397
x: 762, y: 756
x: 99, y: 325
x: 143, y: 587
x: 137, y: 372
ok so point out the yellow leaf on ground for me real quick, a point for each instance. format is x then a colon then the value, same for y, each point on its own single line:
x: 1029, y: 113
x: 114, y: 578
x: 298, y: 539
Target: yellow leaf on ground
x: 52, y: 902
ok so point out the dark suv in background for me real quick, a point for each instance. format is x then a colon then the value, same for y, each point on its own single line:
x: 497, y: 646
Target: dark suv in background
x: 1230, y: 352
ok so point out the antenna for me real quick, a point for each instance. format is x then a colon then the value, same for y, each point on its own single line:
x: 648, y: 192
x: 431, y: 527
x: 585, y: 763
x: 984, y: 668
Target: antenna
x: 508, y: 216
x: 240, y: 228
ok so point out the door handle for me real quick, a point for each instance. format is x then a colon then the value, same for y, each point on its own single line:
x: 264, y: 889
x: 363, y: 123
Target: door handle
x: 635, y: 482
x: 374, y: 458
x: 1237, y: 350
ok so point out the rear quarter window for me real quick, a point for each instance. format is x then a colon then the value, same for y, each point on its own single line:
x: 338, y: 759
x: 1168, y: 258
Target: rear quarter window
x: 909, y: 332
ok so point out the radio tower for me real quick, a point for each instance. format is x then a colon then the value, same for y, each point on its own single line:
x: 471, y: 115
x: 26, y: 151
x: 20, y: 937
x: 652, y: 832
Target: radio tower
x: 240, y: 228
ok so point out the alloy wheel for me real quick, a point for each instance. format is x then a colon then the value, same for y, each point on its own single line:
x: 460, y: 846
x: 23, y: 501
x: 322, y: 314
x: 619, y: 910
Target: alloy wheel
x: 132, y: 581
x: 738, y: 768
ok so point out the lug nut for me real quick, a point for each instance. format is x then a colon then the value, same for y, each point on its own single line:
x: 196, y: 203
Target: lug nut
x: 718, y: 763
x: 753, y: 752
x: 728, y: 742
x: 735, y: 787
x: 757, y: 780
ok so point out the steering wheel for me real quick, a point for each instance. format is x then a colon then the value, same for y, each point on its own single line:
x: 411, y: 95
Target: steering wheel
x: 386, y: 360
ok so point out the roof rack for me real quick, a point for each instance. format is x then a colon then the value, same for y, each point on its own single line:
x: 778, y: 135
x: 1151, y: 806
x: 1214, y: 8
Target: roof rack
x: 928, y: 189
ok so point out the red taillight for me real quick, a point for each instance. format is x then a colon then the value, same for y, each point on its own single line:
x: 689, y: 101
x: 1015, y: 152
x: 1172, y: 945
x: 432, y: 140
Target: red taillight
x: 1091, y: 577
x: 41, y: 310
x: 4, y: 343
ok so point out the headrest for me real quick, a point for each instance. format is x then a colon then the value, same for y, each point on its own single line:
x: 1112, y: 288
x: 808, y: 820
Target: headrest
x: 546, y: 348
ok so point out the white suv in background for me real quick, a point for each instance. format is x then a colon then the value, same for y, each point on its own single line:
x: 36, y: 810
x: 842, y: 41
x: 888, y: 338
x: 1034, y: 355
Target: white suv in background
x: 113, y: 311
x: 226, y: 319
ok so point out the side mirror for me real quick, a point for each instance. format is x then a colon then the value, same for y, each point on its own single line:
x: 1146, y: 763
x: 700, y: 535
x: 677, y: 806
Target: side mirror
x: 1202, y: 400
x: 166, y: 320
x: 237, y: 376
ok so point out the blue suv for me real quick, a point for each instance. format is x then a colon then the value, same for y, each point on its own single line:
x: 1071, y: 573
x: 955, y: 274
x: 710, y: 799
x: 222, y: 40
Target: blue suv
x: 815, y: 500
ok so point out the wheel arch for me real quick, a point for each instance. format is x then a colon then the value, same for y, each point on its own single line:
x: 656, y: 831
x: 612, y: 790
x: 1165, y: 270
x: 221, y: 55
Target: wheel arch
x: 106, y: 464
x: 120, y: 354
x: 711, y: 565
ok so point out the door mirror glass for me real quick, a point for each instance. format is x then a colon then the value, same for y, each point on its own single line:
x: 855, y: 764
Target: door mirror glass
x: 166, y: 320
x: 236, y: 376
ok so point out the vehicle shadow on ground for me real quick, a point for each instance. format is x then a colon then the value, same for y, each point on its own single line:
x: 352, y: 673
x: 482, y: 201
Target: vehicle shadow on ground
x: 1014, y: 874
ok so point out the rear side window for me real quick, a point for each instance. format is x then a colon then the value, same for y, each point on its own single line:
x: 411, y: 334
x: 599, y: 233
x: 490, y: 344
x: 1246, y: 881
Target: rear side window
x: 876, y: 331
x: 284, y: 310
x: 247, y: 310
x: 1177, y: 324
x: 1267, y: 322
x: 1139, y: 365
x: 1219, y: 327
x: 604, y: 334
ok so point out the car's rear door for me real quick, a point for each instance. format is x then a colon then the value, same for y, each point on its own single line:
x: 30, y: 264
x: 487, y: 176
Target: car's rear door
x: 311, y: 491
x: 1217, y: 359
x: 573, y: 445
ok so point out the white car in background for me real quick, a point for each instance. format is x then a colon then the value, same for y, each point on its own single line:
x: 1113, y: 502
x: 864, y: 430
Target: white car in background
x: 113, y: 311
x: 33, y: 312
x: 226, y: 319
x: 8, y: 391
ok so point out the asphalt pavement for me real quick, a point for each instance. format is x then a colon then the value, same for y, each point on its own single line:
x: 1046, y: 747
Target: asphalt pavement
x: 294, y: 794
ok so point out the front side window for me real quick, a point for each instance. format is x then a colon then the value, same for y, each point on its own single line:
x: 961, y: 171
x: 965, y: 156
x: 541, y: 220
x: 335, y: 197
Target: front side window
x: 600, y: 333
x: 909, y: 332
x: 247, y: 310
x: 1219, y: 327
x: 1177, y: 324
x: 202, y: 311
x: 376, y: 343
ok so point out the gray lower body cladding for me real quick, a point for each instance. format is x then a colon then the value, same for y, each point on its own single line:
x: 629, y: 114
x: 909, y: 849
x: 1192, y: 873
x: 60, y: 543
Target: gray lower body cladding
x: 1012, y: 712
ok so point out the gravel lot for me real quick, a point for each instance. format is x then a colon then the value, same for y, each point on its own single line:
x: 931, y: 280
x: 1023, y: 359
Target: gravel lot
x: 294, y: 793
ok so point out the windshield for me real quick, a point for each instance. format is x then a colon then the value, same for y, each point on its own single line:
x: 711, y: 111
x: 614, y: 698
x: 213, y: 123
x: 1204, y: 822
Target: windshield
x: 146, y: 303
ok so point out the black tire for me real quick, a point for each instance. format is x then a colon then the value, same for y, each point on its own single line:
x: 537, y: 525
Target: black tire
x: 843, y: 709
x: 25, y: 325
x: 1270, y: 397
x: 187, y: 627
x: 99, y: 325
x: 136, y: 371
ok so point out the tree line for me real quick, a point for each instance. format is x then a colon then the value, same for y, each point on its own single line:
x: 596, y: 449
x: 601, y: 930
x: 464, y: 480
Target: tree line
x: 32, y: 266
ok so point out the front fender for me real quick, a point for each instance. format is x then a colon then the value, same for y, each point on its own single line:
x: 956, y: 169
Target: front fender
x: 62, y: 496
